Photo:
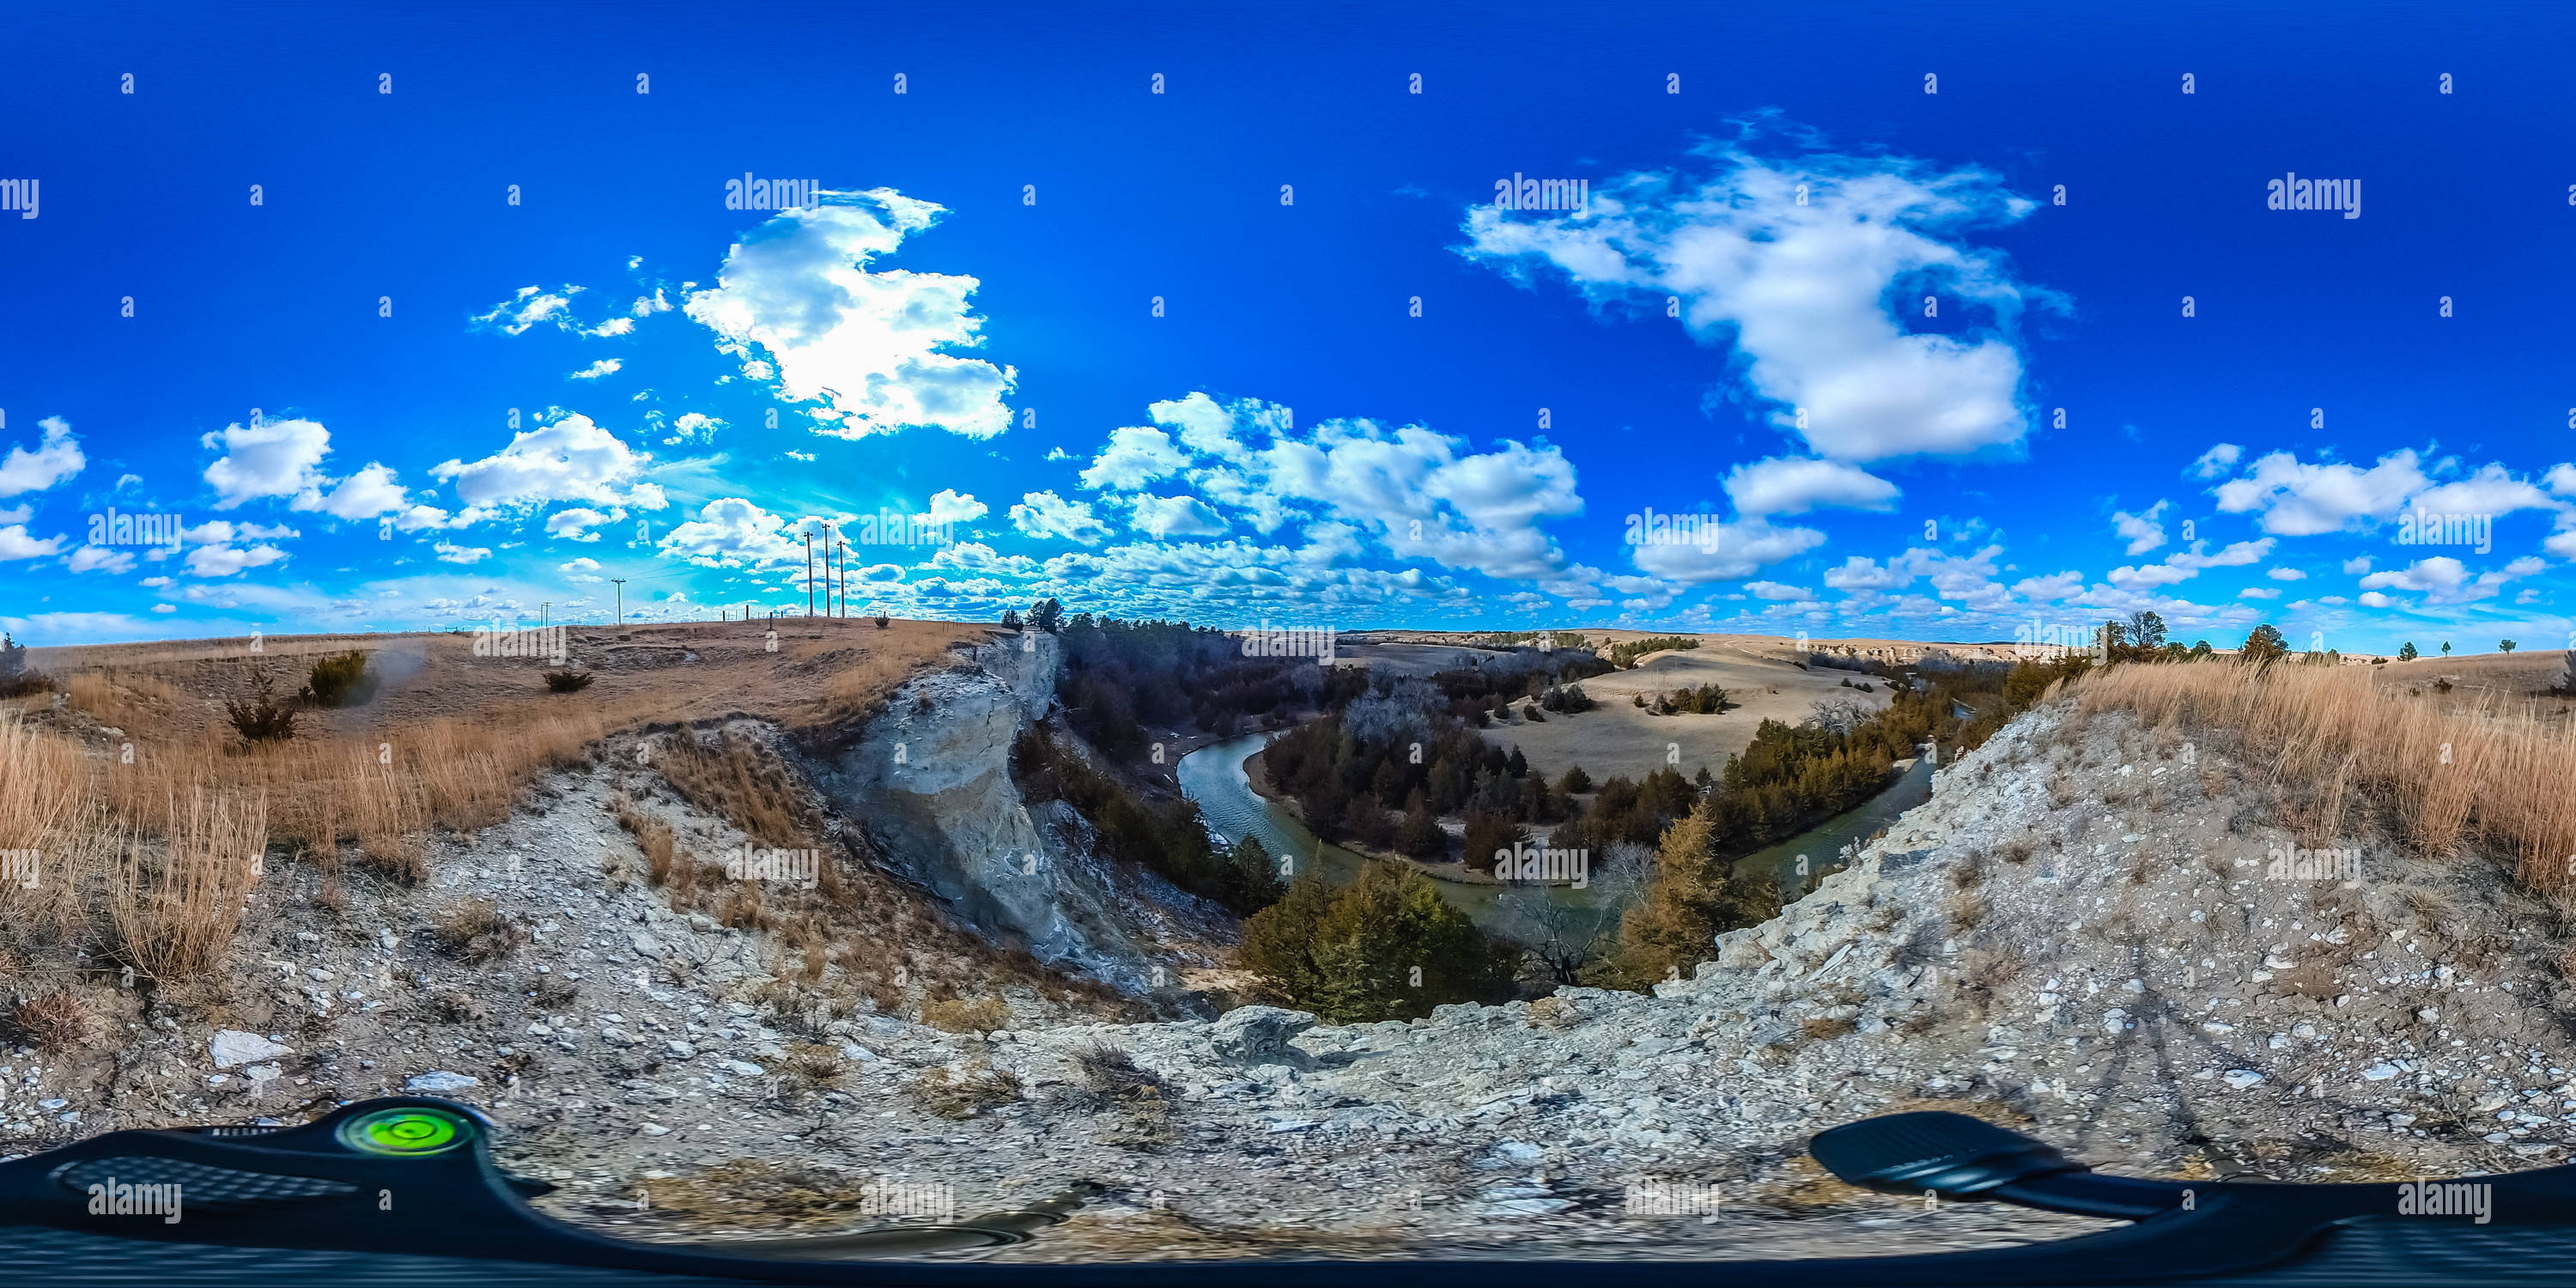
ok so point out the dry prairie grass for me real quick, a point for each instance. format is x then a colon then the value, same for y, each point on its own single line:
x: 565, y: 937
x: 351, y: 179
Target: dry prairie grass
x: 381, y: 793
x: 745, y: 783
x: 2446, y: 774
x: 156, y: 856
x: 958, y: 1015
x: 956, y: 1094
x: 174, y: 909
x: 55, y: 1021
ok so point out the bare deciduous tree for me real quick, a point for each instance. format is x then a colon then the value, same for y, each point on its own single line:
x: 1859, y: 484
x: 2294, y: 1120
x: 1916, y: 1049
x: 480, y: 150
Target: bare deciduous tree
x: 1568, y: 935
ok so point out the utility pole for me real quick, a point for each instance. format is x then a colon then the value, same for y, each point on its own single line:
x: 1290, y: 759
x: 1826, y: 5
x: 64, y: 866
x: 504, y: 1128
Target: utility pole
x: 845, y: 575
x: 809, y: 573
x: 621, y: 601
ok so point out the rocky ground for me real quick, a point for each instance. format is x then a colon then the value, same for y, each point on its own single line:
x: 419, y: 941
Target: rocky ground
x: 2081, y: 934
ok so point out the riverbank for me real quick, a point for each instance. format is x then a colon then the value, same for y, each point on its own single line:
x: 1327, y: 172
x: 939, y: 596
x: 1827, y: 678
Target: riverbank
x: 1453, y: 872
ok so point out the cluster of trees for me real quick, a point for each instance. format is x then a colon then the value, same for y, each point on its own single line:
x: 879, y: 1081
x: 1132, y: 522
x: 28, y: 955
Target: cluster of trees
x: 2407, y: 653
x: 1567, y: 699
x: 1792, y: 775
x: 1169, y: 839
x: 16, y: 680
x: 1385, y: 778
x: 1624, y: 656
x: 1120, y: 676
x: 1706, y: 700
x: 1045, y: 615
x: 1386, y: 946
x: 1623, y: 811
x: 1351, y: 953
x: 2142, y: 637
x: 1549, y: 680
x: 1383, y: 770
x: 1693, y: 896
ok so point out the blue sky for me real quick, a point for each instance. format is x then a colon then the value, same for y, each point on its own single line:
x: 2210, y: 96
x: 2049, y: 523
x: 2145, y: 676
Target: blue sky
x: 1370, y: 397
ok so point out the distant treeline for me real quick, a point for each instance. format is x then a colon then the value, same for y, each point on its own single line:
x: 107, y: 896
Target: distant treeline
x: 1386, y: 788
x: 1705, y: 700
x: 1120, y: 676
x: 1545, y: 679
x: 1624, y: 656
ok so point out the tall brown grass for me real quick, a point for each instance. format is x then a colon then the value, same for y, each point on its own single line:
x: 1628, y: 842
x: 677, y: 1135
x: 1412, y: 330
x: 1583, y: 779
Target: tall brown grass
x: 158, y: 857
x: 44, y: 808
x: 174, y: 907
x: 154, y: 856
x: 2448, y: 774
x: 381, y: 792
x: 745, y: 782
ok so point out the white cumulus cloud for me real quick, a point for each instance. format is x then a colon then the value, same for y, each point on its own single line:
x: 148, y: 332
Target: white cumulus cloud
x: 795, y: 299
x: 2294, y: 499
x: 272, y: 458
x: 15, y: 543
x: 57, y: 457
x: 949, y: 506
x: 569, y: 459
x: 2141, y: 531
x: 1044, y: 514
x: 1798, y: 265
x: 731, y: 532
x: 1788, y: 485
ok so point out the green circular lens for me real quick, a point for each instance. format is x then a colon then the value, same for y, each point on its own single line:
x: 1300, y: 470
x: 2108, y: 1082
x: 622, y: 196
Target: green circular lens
x: 404, y: 1132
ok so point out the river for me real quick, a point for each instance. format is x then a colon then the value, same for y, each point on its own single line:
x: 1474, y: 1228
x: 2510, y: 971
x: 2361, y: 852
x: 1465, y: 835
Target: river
x: 1214, y: 777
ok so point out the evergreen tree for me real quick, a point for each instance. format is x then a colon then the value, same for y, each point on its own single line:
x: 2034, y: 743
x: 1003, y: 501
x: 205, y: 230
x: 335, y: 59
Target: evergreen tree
x: 2263, y: 646
x: 1384, y: 947
x: 1279, y: 941
x: 1254, y: 876
x: 1420, y: 835
x: 1487, y: 832
x: 1693, y: 896
x: 1575, y: 781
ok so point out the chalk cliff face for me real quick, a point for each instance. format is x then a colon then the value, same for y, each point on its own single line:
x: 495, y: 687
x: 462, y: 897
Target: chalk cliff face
x: 930, y: 781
